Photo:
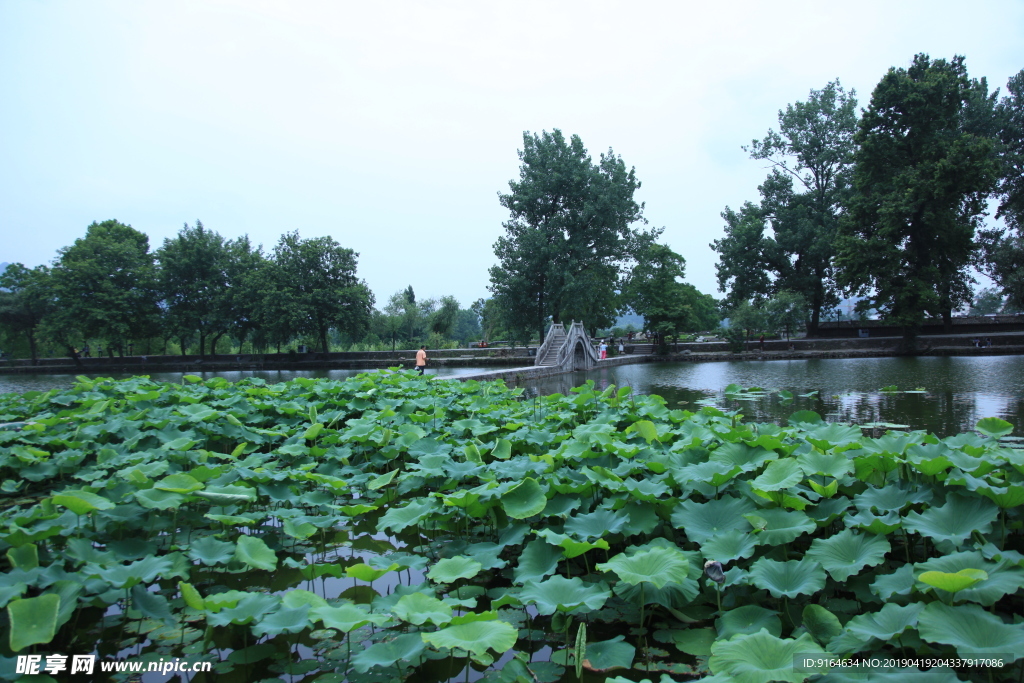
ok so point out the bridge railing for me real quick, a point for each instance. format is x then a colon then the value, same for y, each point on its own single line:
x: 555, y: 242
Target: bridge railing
x: 548, y: 340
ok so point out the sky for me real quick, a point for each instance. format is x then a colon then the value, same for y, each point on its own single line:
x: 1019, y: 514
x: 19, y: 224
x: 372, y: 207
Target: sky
x: 392, y: 127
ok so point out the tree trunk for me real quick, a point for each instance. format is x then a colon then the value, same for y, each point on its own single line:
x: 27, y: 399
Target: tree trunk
x: 323, y: 339
x: 181, y: 342
x: 32, y: 347
x: 947, y: 320
x: 202, y: 344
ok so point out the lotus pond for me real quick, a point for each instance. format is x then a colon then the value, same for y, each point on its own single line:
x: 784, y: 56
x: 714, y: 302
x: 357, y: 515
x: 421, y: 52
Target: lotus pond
x: 391, y: 527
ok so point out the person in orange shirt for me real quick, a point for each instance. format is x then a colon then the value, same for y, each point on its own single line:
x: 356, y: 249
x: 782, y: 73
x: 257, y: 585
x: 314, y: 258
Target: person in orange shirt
x: 421, y: 359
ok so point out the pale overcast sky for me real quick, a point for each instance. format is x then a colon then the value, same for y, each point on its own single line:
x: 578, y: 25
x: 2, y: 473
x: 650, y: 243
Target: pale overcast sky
x: 392, y: 126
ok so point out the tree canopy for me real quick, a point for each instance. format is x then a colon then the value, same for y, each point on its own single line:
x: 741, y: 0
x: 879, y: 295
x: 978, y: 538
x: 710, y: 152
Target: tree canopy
x: 922, y: 176
x: 569, y: 236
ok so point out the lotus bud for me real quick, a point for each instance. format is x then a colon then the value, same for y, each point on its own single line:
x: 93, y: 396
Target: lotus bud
x: 713, y: 570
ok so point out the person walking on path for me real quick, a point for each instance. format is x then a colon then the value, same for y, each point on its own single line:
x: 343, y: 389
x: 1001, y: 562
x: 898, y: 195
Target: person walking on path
x: 421, y: 359
x: 603, y: 348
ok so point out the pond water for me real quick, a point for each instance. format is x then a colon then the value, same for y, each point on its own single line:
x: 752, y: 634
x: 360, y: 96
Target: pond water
x: 958, y: 391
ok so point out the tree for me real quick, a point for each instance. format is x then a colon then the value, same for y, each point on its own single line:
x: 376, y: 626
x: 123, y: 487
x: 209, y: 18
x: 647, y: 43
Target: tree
x: 442, y: 320
x: 813, y: 150
x: 25, y: 301
x: 318, y: 285
x: 654, y: 289
x: 1004, y: 249
x: 786, y: 312
x: 921, y: 179
x: 569, y: 237
x: 987, y: 302
x: 194, y: 283
x: 104, y: 286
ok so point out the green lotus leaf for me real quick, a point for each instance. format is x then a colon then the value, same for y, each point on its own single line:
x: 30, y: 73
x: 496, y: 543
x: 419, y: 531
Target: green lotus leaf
x: 821, y: 624
x: 419, y: 608
x: 703, y: 521
x: 365, y: 572
x: 382, y: 481
x: 33, y: 620
x: 789, y: 579
x: 833, y: 434
x: 283, y: 620
x: 696, y: 641
x: 254, y: 552
x: 559, y: 594
x: 25, y: 558
x: 346, y: 618
x: 299, y: 530
x: 744, y: 456
x: 899, y: 582
x: 833, y: 465
x: 805, y: 417
x: 872, y: 524
x: 657, y: 566
x: 783, y: 526
x: 955, y: 521
x: 609, y: 654
x: 1005, y: 497
x: 143, y: 571
x: 228, y: 495
x: 152, y: 605
x: 82, y: 502
x: 570, y: 547
x: 887, y: 624
x: 297, y: 598
x: 525, y: 499
x: 779, y: 475
x: 994, y: 426
x: 846, y: 553
x: 761, y: 657
x: 191, y: 596
x: 1004, y: 577
x: 178, y: 483
x: 929, y: 459
x: 971, y: 630
x: 596, y: 524
x: 452, y: 569
x: 728, y: 546
x: 155, y: 499
x: 713, y: 472
x: 211, y: 551
x: 537, y: 560
x: 746, y: 620
x: 955, y: 581
x: 400, y: 519
x: 403, y: 648
x: 477, y: 637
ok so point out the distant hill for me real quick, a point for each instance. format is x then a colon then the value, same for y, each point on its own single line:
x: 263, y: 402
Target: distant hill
x: 633, y: 319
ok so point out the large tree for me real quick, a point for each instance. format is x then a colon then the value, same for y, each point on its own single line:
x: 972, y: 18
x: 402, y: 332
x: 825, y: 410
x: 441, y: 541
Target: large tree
x: 105, y: 286
x: 656, y: 291
x: 922, y: 176
x: 319, y: 288
x: 803, y: 197
x: 569, y: 236
x: 1004, y: 248
x: 194, y: 283
x: 26, y: 298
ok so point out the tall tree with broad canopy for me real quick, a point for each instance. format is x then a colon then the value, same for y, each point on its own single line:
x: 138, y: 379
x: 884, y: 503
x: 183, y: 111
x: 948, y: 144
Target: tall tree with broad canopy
x: 105, y: 286
x: 1004, y: 249
x: 569, y: 236
x: 655, y: 290
x: 26, y: 298
x: 803, y: 198
x: 195, y: 284
x: 319, y: 288
x: 923, y: 173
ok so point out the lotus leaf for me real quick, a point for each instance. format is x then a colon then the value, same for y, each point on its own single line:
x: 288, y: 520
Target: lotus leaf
x: 953, y: 581
x: 82, y: 502
x: 537, y: 560
x: 657, y: 566
x: 888, y: 623
x: 477, y: 637
x: 783, y: 526
x: 365, y: 572
x: 565, y: 595
x: 403, y: 648
x: 994, y: 426
x: 761, y: 657
x: 789, y: 579
x: 694, y: 641
x: 846, y: 553
x: 746, y: 620
x: 954, y: 521
x: 779, y: 475
x: 703, y: 521
x: 821, y: 624
x: 971, y: 630
x: 419, y: 608
x: 254, y: 552
x: 346, y: 618
x: 609, y: 654
x: 570, y: 547
x: 728, y: 546
x: 452, y: 569
x: 1003, y: 577
x: 33, y: 621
